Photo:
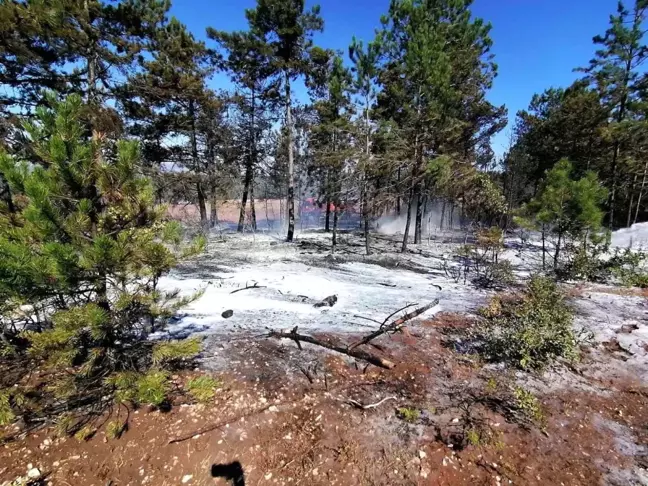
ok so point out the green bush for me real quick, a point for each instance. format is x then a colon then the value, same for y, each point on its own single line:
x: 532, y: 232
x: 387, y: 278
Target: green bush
x: 83, y: 247
x: 529, y: 330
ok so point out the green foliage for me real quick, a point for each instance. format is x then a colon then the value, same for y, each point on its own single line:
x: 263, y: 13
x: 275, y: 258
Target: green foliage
x: 115, y: 428
x: 84, y: 247
x: 531, y: 330
x: 566, y: 206
x: 7, y: 415
x: 171, y: 351
x: 152, y: 388
x: 84, y: 433
x: 408, y: 414
x: 203, y: 388
x: 529, y: 405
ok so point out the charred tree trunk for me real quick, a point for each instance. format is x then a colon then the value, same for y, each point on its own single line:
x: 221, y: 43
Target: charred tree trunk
x: 291, y: 163
x: 408, y: 222
x: 244, y: 198
x: 327, y: 221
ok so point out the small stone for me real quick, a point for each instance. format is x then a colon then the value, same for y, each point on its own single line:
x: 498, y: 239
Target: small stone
x: 273, y: 409
x: 33, y: 473
x: 422, y: 454
x: 268, y: 476
x: 186, y: 478
x: 315, y: 472
x: 227, y: 314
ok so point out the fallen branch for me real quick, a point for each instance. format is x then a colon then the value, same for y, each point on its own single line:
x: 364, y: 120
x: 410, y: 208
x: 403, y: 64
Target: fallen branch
x: 247, y: 287
x: 371, y: 405
x: 394, y: 326
x: 359, y: 354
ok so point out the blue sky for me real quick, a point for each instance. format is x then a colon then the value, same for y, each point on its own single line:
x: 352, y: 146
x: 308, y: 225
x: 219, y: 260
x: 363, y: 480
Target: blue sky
x: 538, y: 43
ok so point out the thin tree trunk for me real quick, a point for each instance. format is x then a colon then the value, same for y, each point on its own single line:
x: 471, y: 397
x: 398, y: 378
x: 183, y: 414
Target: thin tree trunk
x: 631, y: 205
x: 335, y: 227
x: 327, y: 221
x: 443, y: 209
x: 252, y: 206
x: 544, y: 249
x: 291, y: 163
x: 408, y: 222
x: 194, y: 156
x: 244, y: 198
x: 365, y: 207
x: 641, y: 191
x: 420, y: 204
x: 398, y: 198
x: 213, y: 206
x: 557, y: 253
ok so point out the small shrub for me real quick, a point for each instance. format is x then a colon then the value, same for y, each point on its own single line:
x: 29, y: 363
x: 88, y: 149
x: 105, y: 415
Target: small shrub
x: 84, y: 433
x: 528, y: 404
x: 496, y: 275
x: 473, y: 437
x: 64, y: 424
x: 529, y: 330
x: 203, y: 388
x: 408, y: 414
x: 115, y: 429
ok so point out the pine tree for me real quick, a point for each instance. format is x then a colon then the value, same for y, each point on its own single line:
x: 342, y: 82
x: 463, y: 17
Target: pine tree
x: 331, y: 139
x: 567, y: 206
x: 365, y: 67
x: 247, y: 58
x: 85, y: 248
x: 615, y: 72
x: 165, y: 100
x: 436, y: 72
x: 288, y: 29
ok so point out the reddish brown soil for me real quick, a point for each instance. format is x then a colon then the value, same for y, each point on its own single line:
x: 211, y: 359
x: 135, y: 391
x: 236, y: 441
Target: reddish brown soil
x: 283, y: 416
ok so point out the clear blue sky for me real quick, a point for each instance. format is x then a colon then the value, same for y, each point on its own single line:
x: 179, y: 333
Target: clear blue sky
x: 537, y: 42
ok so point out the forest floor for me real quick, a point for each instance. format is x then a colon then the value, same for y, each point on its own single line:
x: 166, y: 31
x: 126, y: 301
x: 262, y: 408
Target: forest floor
x: 311, y: 416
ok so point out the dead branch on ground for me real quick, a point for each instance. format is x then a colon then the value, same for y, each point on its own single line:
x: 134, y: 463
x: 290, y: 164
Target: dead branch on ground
x: 247, y: 287
x: 354, y: 353
x: 395, y: 325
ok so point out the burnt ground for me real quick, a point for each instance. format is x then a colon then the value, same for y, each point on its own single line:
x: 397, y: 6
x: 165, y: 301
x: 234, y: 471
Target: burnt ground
x: 285, y: 416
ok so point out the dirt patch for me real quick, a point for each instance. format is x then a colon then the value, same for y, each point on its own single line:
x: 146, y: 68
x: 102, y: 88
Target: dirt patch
x: 286, y: 416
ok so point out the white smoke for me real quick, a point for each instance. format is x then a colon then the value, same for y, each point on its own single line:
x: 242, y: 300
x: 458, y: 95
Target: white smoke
x: 634, y: 237
x: 395, y: 224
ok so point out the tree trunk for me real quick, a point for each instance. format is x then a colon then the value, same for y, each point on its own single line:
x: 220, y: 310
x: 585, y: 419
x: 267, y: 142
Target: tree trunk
x: 641, y: 191
x: 408, y: 222
x: 365, y: 207
x: 194, y: 157
x: 252, y: 206
x: 631, y: 205
x: 398, y: 198
x: 291, y: 163
x: 544, y: 249
x: 557, y: 253
x: 335, y: 227
x: 443, y: 209
x: 244, y: 198
x: 213, y: 206
x: 418, y: 230
x: 327, y: 222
